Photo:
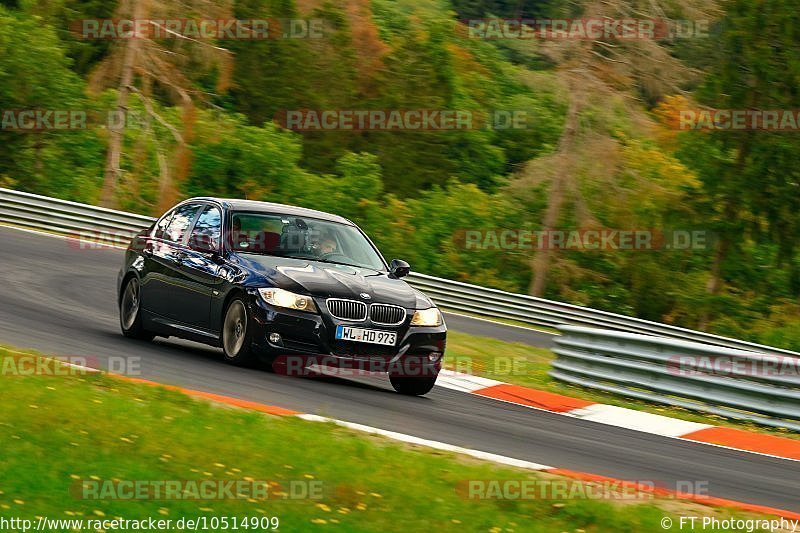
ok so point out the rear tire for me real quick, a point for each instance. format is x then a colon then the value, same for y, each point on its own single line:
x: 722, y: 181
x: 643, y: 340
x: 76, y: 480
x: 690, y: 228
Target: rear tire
x: 130, y: 312
x: 416, y: 386
x: 235, y: 337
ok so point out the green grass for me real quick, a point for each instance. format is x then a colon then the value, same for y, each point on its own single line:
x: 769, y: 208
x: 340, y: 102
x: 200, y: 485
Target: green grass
x: 57, y: 430
x: 525, y: 365
x: 507, y: 321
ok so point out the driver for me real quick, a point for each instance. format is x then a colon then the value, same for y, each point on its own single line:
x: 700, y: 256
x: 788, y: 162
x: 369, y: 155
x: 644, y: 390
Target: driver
x: 327, y: 246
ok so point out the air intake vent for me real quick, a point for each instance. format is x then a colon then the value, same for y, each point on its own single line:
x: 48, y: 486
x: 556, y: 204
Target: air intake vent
x: 347, y: 309
x: 388, y: 315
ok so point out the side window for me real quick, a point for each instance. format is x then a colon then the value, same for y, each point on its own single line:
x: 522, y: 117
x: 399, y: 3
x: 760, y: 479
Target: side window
x: 181, y: 221
x: 161, y: 227
x: 208, y: 227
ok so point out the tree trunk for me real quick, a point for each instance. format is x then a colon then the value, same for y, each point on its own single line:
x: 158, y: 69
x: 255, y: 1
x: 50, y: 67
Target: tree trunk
x: 169, y: 185
x: 116, y: 126
x: 555, y: 198
x: 715, y: 281
x: 714, y: 284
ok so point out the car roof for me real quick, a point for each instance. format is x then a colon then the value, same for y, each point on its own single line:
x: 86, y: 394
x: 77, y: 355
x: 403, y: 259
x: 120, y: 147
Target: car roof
x: 235, y: 204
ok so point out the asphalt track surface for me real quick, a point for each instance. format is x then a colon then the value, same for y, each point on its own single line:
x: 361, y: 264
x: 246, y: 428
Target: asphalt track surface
x: 59, y: 299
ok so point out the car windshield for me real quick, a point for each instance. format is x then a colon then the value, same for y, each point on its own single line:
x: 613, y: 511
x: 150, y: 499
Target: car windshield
x: 302, y: 238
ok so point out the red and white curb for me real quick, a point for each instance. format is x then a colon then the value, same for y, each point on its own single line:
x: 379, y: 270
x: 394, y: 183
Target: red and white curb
x: 612, y: 415
x: 410, y: 439
x: 486, y: 456
x: 474, y: 384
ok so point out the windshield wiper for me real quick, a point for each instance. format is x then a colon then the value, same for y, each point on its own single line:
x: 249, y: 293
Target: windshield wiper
x: 335, y: 262
x: 307, y: 258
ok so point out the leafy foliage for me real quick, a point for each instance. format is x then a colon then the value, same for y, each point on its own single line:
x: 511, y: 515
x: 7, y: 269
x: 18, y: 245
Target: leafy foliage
x: 599, y: 147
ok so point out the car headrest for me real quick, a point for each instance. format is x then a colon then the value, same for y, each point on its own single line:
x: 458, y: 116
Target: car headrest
x: 293, y: 239
x: 239, y: 240
x: 201, y: 242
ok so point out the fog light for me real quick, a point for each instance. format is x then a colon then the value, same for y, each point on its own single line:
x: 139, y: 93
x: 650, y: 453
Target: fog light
x: 434, y: 356
x: 275, y: 338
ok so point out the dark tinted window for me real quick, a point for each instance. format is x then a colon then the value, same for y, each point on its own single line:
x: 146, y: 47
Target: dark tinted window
x: 208, y: 227
x: 161, y: 227
x: 181, y: 221
x: 302, y: 238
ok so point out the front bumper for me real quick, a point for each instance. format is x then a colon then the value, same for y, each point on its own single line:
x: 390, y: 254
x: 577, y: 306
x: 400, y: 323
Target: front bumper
x: 309, y: 339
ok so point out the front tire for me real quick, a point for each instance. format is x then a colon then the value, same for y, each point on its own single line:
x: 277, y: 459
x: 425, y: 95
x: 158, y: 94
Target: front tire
x: 130, y: 312
x: 236, y: 338
x: 416, y: 386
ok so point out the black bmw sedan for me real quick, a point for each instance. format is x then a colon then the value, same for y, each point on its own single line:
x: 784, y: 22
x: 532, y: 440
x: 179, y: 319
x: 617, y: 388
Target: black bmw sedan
x: 295, y: 287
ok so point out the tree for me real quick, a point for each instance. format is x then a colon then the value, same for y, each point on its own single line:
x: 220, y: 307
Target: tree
x: 142, y: 62
x: 750, y: 178
x: 35, y: 74
x: 591, y: 71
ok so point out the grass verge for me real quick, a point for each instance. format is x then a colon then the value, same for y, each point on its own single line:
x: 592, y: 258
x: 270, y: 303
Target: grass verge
x: 66, y: 430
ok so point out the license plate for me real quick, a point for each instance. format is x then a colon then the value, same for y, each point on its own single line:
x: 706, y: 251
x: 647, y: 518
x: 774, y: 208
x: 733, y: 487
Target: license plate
x: 372, y: 336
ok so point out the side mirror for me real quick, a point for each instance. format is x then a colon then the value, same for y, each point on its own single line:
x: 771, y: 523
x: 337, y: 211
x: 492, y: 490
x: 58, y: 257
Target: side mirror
x: 399, y: 269
x: 202, y: 243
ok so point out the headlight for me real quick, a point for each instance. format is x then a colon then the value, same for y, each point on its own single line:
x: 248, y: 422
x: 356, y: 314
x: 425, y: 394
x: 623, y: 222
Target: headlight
x: 289, y: 300
x: 427, y: 317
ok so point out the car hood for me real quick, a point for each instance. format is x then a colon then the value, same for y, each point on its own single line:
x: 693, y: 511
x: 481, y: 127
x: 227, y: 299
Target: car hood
x: 329, y: 280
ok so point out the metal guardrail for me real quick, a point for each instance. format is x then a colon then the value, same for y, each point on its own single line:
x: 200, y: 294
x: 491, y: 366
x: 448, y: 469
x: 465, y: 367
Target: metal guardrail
x: 495, y: 303
x: 733, y: 383
x: 71, y: 218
